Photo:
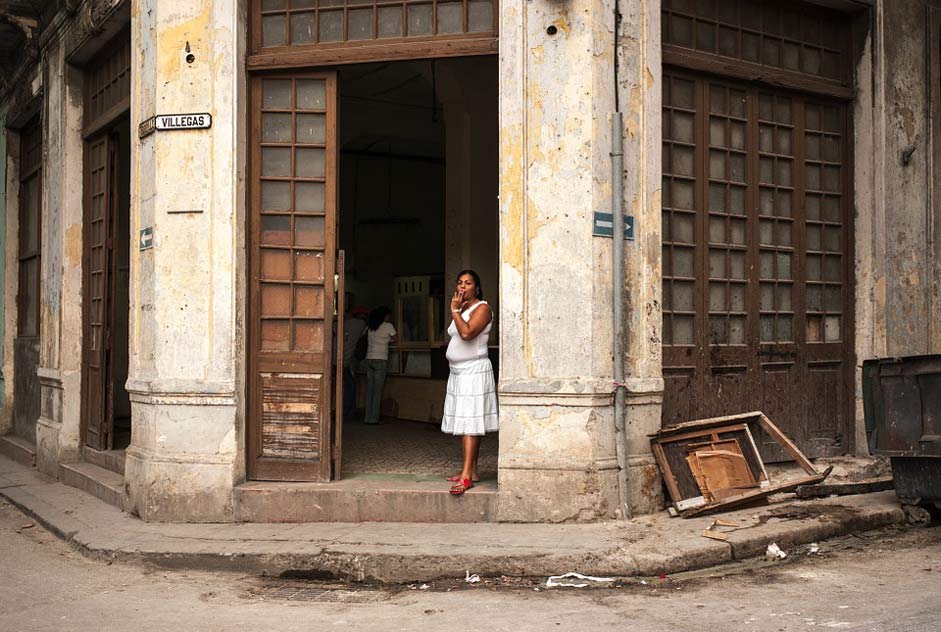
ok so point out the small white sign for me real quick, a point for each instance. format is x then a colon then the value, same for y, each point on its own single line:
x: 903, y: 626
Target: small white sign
x: 170, y: 122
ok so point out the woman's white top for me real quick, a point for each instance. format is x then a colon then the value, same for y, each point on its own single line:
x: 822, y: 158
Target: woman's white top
x: 378, y: 342
x: 465, y: 350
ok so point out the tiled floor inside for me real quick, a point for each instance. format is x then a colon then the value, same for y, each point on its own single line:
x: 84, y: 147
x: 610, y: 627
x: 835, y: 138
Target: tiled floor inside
x: 409, y: 447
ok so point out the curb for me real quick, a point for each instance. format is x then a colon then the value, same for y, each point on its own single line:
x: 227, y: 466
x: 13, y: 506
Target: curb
x: 647, y: 546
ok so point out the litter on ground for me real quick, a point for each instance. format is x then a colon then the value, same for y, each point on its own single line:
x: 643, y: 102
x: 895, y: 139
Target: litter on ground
x: 557, y: 581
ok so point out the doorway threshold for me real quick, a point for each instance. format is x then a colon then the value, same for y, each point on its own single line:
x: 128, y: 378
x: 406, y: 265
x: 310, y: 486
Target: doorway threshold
x: 366, y: 497
x: 112, y: 460
x: 18, y: 449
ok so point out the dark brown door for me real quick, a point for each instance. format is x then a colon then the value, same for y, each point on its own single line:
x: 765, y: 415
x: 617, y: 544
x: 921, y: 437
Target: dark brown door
x: 100, y: 205
x: 755, y: 230
x: 26, y: 388
x: 292, y: 251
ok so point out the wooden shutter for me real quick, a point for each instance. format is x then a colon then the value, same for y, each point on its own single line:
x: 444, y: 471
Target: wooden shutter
x: 292, y: 265
x: 96, y: 289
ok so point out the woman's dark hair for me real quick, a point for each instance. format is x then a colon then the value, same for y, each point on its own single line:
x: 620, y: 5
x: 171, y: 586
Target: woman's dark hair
x: 480, y: 288
x: 377, y: 317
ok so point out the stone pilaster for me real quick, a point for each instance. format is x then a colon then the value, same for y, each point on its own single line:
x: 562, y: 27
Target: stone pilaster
x: 557, y: 452
x: 639, y: 86
x: 60, y: 356
x: 186, y: 351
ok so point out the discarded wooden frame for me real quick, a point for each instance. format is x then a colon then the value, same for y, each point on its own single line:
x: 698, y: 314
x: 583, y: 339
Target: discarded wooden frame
x: 713, y: 464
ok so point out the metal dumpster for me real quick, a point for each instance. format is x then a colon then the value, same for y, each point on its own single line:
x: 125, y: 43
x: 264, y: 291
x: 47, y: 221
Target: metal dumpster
x: 902, y: 404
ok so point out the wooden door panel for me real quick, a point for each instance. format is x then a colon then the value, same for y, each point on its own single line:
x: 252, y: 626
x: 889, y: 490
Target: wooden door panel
x: 96, y: 289
x: 292, y: 265
x: 756, y: 231
x: 680, y: 382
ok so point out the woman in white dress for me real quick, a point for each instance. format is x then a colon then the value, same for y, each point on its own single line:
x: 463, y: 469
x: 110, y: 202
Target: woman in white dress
x: 470, y: 406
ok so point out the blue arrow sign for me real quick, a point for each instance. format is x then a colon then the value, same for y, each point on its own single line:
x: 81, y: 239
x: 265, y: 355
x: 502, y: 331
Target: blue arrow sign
x: 603, y: 225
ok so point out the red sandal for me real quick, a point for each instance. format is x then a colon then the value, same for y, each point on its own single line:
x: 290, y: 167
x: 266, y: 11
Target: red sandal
x: 457, y: 477
x: 462, y: 486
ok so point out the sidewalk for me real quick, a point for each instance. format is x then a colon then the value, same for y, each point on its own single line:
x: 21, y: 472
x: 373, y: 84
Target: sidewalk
x: 407, y: 552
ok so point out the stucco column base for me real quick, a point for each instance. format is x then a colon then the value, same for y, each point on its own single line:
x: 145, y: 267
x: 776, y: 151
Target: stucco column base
x: 181, y: 464
x: 178, y: 488
x: 557, y: 456
x: 644, y: 404
x: 57, y: 429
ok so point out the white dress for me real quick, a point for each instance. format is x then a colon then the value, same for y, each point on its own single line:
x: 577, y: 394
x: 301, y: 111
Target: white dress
x: 470, y: 406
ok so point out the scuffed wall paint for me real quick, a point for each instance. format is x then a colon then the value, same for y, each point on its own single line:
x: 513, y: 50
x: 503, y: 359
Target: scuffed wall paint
x: 3, y: 246
x: 906, y: 186
x: 185, y: 346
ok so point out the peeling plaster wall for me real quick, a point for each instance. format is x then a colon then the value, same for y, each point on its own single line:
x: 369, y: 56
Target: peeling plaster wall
x: 905, y: 112
x: 3, y: 245
x: 57, y: 430
x: 10, y: 270
x: 186, y: 344
x: 898, y: 310
x: 557, y: 452
x: 640, y: 90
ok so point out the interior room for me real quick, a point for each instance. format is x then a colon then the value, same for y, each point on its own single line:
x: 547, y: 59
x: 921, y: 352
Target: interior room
x: 418, y: 187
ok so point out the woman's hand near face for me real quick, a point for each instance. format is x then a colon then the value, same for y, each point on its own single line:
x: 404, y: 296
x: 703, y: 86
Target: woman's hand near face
x: 457, y: 301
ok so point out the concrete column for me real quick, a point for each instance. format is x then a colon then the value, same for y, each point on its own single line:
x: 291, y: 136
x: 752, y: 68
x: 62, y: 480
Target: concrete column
x: 557, y: 453
x: 186, y: 347
x: 60, y: 353
x: 640, y: 95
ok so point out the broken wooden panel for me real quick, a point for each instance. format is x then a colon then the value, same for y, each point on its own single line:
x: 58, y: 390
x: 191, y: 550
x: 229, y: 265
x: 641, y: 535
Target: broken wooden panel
x: 675, y: 450
x: 291, y: 416
x: 720, y: 469
x: 714, y: 464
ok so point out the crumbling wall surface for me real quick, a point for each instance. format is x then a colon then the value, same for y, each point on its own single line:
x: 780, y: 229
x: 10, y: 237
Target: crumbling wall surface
x: 557, y: 451
x: 60, y: 286
x: 640, y: 90
x: 4, y: 162
x: 896, y: 196
x: 907, y: 185
x: 184, y: 457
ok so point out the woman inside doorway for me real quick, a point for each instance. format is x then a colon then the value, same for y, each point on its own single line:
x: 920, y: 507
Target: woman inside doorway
x: 380, y: 334
x: 470, y: 406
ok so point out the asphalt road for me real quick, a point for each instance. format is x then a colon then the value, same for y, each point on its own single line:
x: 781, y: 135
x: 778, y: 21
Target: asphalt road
x: 887, y: 580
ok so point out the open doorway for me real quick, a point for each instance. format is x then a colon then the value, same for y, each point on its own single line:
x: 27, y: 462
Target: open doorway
x: 417, y: 202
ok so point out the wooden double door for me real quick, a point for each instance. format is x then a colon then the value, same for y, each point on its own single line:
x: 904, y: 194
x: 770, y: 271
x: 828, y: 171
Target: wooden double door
x: 106, y: 285
x: 293, y: 268
x: 757, y: 255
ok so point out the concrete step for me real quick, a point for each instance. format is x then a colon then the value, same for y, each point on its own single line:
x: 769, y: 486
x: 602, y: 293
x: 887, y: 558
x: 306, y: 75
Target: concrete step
x: 97, y: 481
x: 18, y: 449
x: 109, y: 459
x: 366, y: 498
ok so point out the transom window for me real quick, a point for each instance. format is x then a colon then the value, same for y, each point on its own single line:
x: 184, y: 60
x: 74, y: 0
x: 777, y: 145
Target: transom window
x: 790, y: 36
x: 334, y: 22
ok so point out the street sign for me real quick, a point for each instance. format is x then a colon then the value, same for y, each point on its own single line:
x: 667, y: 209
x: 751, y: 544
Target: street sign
x: 146, y: 240
x: 603, y: 225
x: 171, y: 122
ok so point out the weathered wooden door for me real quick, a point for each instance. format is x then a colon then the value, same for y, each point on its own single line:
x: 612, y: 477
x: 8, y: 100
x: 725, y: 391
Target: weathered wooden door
x: 756, y: 227
x: 26, y: 387
x: 292, y: 252
x: 100, y: 182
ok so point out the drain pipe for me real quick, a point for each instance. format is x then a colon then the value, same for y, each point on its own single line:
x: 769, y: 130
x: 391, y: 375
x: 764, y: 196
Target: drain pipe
x: 617, y: 212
